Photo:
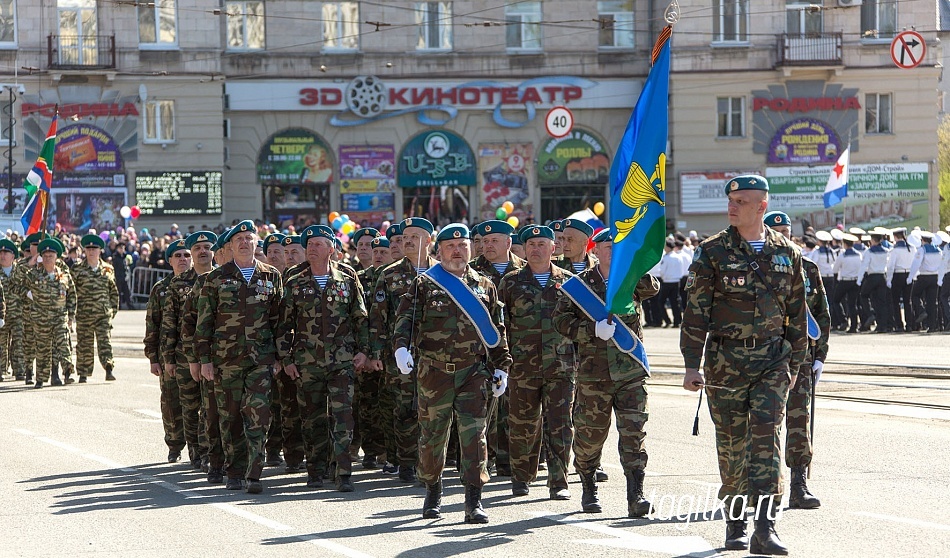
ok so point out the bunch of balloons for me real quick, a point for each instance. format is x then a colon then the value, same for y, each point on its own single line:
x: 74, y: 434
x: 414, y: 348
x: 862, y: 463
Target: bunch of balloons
x: 503, y: 212
x: 130, y: 212
x: 341, y: 223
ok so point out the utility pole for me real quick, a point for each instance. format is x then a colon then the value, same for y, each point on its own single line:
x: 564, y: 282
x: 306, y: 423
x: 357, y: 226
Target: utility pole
x: 12, y: 89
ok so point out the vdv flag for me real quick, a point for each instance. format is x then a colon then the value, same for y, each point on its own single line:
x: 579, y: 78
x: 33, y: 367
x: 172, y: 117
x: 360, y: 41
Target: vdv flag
x: 32, y: 218
x: 638, y: 185
x: 837, y: 187
x: 41, y: 175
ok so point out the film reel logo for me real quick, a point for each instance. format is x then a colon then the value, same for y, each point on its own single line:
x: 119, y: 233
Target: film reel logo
x: 366, y: 96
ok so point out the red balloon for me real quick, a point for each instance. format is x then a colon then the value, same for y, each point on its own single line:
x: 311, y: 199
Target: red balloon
x: 136, y: 212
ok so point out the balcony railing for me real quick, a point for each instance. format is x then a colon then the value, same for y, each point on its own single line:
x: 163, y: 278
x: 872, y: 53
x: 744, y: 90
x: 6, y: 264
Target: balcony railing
x: 80, y: 52
x: 812, y: 49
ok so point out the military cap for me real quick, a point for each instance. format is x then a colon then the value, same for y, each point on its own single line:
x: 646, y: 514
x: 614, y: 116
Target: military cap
x: 222, y: 240
x: 92, y: 241
x: 880, y: 231
x: 393, y: 230
x: 338, y: 244
x: 380, y: 242
x: 200, y: 236
x: 291, y: 239
x: 536, y: 231
x: 865, y: 238
x: 926, y: 235
x: 260, y: 243
x: 452, y: 232
x: 494, y: 227
x: 417, y: 222
x: 747, y: 182
x: 273, y: 238
x: 578, y: 225
x: 174, y: 247
x: 516, y: 238
x: 244, y: 226
x: 34, y: 238
x: 355, y: 237
x: 475, y: 230
x: 603, y: 236
x: 849, y: 237
x: 777, y: 219
x: 899, y: 230
x: 556, y: 225
x: 940, y: 234
x: 7, y: 245
x: 51, y: 244
x: 857, y: 231
x: 837, y: 234
x: 824, y: 236
x: 312, y: 231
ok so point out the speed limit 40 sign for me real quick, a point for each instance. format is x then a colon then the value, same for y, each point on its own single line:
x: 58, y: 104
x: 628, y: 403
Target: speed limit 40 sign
x: 559, y: 122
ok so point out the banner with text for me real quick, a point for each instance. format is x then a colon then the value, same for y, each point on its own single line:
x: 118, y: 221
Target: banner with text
x: 506, y: 174
x: 368, y: 182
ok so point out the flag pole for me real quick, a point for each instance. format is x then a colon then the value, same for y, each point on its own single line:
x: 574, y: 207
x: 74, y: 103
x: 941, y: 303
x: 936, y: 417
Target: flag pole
x: 46, y: 195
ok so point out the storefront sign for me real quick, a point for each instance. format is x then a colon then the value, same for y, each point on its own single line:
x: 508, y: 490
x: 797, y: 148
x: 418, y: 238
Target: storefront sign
x: 85, y: 148
x: 705, y: 192
x: 436, y: 158
x: 179, y: 192
x: 577, y: 158
x: 805, y: 104
x: 506, y: 174
x: 804, y: 140
x: 295, y: 156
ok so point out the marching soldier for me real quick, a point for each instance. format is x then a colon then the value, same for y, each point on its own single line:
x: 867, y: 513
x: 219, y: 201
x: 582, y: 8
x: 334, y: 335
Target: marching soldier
x: 171, y: 400
x: 558, y: 227
x: 54, y: 306
x: 98, y: 304
x: 363, y: 241
x: 923, y: 276
x: 899, y: 260
x: 574, y: 239
x: 293, y: 251
x: 11, y: 325
x: 452, y: 318
x: 394, y: 236
x: 873, y: 284
x: 517, y: 247
x: 238, y: 309
x: 368, y: 432
x: 20, y: 279
x: 747, y: 293
x: 847, y: 267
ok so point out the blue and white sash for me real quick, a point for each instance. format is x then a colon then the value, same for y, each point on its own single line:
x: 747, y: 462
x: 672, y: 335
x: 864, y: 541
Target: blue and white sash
x: 596, y: 309
x: 465, y: 299
x: 814, y: 332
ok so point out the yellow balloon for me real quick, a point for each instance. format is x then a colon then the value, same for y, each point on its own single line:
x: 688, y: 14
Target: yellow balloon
x: 513, y: 221
x: 599, y: 209
x: 509, y: 207
x: 348, y: 227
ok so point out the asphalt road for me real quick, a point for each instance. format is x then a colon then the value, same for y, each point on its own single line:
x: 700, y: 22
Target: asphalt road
x: 84, y: 475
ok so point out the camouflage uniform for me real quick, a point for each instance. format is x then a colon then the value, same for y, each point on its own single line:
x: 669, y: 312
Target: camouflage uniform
x: 453, y: 370
x: 54, y: 304
x: 98, y: 304
x: 11, y: 334
x: 169, y: 399
x: 19, y: 279
x: 756, y: 336
x: 538, y: 379
x: 370, y: 428
x: 235, y: 333
x: 590, y: 261
x: 320, y: 331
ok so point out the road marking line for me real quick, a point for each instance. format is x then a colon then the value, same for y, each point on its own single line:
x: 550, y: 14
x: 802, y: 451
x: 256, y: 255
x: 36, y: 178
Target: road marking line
x: 250, y: 516
x: 156, y: 386
x: 333, y: 547
x: 907, y: 520
x: 149, y: 413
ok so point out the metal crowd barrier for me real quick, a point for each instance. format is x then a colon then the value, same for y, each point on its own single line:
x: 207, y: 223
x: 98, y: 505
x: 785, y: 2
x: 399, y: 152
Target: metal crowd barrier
x: 142, y: 280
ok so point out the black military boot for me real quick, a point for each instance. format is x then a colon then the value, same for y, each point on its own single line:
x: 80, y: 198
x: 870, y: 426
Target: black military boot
x: 519, y: 488
x: 29, y: 378
x: 215, y: 475
x: 54, y: 378
x: 66, y: 377
x: 600, y: 475
x: 37, y: 385
x: 474, y: 512
x: 83, y: 379
x: 589, y: 501
x: 109, y: 376
x: 637, y: 505
x: 764, y: 538
x: 344, y: 484
x: 407, y: 473
x: 800, y: 497
x: 737, y: 531
x: 432, y: 508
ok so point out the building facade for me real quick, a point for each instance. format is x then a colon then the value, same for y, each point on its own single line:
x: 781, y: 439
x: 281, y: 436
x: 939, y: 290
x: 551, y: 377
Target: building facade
x: 202, y: 112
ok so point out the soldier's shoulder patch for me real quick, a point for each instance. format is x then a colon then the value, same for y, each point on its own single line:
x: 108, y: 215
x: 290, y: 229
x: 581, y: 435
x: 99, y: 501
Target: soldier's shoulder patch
x: 380, y: 295
x: 697, y: 253
x: 690, y: 279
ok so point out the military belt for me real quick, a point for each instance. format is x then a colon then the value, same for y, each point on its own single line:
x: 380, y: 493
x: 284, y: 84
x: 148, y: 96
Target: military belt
x: 748, y: 342
x: 459, y: 364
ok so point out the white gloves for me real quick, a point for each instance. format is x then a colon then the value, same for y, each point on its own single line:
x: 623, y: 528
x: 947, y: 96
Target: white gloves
x: 859, y: 282
x: 404, y: 360
x: 940, y: 281
x: 888, y: 284
x: 499, y: 383
x: 817, y: 367
x: 29, y: 295
x: 910, y: 280
x: 2, y: 322
x: 604, y: 330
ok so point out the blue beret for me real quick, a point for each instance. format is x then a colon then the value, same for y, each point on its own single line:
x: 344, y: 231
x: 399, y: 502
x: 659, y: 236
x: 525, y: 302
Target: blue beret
x: 260, y: 244
x: 494, y: 227
x: 380, y: 242
x: 291, y: 239
x: 200, y: 236
x: 579, y: 225
x: 452, y: 232
x: 603, y: 236
x: 393, y: 230
x: 536, y: 231
x: 174, y: 247
x: 338, y: 244
x: 244, y: 226
x: 475, y: 230
x: 7, y: 245
x: 315, y: 231
x: 556, y: 226
x: 516, y: 239
x: 417, y: 222
x: 355, y: 237
x: 273, y: 238
x: 92, y: 241
x: 222, y: 240
x: 51, y: 244
x: 747, y: 182
x: 777, y: 219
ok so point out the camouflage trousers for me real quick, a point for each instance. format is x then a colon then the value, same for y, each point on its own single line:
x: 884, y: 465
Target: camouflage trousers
x: 404, y: 418
x: 368, y: 413
x: 93, y: 332
x: 53, y: 347
x: 29, y: 343
x: 596, y: 400
x: 172, y: 420
x: 325, y: 397
x: 11, y: 347
x: 285, y: 429
x: 541, y: 410
x: 798, y: 449
x: 243, y: 395
x: 748, y: 420
x: 209, y: 406
x: 463, y: 393
x: 189, y: 398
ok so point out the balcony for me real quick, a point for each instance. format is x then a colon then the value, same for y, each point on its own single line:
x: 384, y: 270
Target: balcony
x: 813, y: 49
x: 80, y: 52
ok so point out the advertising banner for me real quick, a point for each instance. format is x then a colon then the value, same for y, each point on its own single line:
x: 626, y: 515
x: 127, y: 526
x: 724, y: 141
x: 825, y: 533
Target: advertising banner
x: 295, y: 156
x: 506, y: 174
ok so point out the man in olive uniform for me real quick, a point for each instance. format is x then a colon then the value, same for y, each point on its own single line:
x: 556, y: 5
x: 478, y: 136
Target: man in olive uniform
x: 798, y: 448
x: 747, y: 293
x: 54, y: 306
x: 98, y: 305
x: 539, y: 385
x: 394, y: 236
x: 171, y: 399
x: 20, y: 278
x: 517, y: 247
x: 11, y: 332
x: 238, y: 309
x: 574, y: 239
x: 293, y: 251
x: 608, y: 380
x: 322, y: 339
x: 452, y: 318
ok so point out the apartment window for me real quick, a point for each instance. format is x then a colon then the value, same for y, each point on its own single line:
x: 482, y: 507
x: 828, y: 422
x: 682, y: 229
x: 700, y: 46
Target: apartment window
x: 731, y: 113
x: 879, y: 19
x: 159, y: 121
x: 616, y: 23
x: 157, y: 24
x: 523, y: 31
x: 434, y: 20
x: 801, y: 18
x: 877, y: 113
x: 245, y: 25
x: 7, y: 23
x: 730, y: 21
x: 341, y: 25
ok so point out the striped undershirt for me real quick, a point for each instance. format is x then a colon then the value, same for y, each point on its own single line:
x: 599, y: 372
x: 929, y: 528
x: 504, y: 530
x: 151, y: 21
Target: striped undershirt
x: 421, y: 270
x: 321, y: 280
x: 756, y: 244
x: 500, y: 267
x: 543, y: 278
x: 247, y: 272
x: 579, y: 266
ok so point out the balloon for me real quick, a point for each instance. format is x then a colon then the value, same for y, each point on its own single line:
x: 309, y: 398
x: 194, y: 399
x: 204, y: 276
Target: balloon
x: 345, y: 217
x: 513, y: 221
x: 501, y: 214
x: 599, y: 209
x: 509, y: 207
x: 125, y: 212
x: 345, y: 238
x: 337, y: 223
x: 332, y: 216
x: 136, y: 212
x: 348, y: 227
x: 104, y: 236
